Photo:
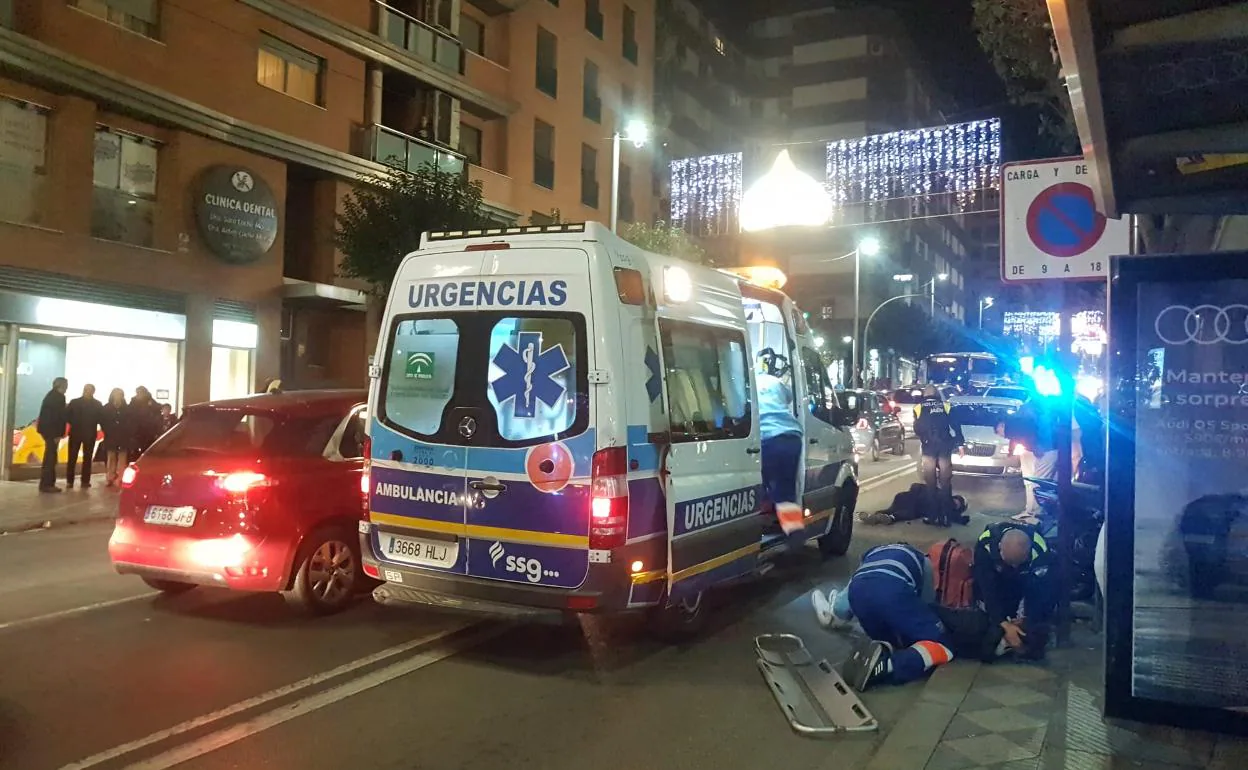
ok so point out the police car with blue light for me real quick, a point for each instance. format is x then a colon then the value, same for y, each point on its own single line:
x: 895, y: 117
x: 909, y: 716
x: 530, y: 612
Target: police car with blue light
x: 561, y: 423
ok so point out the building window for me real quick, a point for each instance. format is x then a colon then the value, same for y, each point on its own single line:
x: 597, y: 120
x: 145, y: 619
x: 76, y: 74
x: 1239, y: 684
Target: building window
x: 626, y: 101
x: 591, y: 101
x: 626, y: 194
x: 293, y: 71
x: 547, y: 63
x: 589, y: 176
x: 543, y: 155
x: 472, y: 34
x: 630, y: 34
x: 593, y: 18
x: 470, y: 143
x: 123, y: 201
x: 23, y: 161
x: 141, y: 16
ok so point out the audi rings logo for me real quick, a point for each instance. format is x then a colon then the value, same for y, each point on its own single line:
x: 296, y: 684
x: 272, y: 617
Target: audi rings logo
x: 1203, y: 325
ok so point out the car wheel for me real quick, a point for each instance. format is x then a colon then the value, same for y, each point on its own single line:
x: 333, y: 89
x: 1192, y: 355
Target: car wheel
x: 900, y: 448
x: 836, y: 541
x: 328, y: 572
x: 169, y: 587
x: 678, y: 622
x: 875, y: 449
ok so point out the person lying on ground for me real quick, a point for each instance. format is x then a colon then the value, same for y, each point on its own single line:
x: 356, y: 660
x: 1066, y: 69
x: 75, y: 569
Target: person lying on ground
x: 890, y: 595
x: 1015, y: 585
x: 908, y: 505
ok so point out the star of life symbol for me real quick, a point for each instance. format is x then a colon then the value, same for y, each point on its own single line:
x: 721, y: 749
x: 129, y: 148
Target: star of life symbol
x: 529, y: 374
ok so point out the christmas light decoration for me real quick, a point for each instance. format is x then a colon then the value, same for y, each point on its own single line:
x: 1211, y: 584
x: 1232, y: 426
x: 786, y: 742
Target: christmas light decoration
x: 1088, y: 336
x: 785, y: 197
x: 946, y: 168
x: 706, y: 194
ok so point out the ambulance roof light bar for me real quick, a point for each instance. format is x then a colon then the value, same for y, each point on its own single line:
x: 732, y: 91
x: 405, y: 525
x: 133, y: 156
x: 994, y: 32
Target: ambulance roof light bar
x: 451, y: 235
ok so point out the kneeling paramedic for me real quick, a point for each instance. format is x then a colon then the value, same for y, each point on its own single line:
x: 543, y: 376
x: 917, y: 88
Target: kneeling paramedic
x: 1015, y: 584
x: 940, y: 435
x: 890, y: 594
x: 782, y: 440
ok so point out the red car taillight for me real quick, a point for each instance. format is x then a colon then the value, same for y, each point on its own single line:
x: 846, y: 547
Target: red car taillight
x: 128, y: 476
x: 608, y: 519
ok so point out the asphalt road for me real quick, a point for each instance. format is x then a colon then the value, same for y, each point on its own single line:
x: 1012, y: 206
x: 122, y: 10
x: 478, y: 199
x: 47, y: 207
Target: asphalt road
x: 97, y: 673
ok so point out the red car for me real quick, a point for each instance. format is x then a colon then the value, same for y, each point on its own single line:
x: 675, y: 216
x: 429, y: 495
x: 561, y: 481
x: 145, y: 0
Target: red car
x: 255, y: 494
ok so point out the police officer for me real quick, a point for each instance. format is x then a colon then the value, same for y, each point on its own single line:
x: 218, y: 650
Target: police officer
x: 890, y: 594
x: 1015, y: 584
x: 940, y: 435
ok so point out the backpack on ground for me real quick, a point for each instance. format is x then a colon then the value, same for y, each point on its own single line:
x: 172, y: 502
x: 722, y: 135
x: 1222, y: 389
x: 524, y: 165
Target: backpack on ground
x: 951, y: 569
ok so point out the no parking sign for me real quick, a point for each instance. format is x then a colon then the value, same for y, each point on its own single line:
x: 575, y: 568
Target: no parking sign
x: 1050, y: 226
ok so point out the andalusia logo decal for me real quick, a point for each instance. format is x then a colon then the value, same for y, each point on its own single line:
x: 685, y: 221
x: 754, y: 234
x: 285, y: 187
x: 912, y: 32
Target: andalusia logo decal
x: 420, y: 366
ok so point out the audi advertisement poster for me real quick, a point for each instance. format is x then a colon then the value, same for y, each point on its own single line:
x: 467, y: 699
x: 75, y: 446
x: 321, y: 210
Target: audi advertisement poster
x: 1178, y: 489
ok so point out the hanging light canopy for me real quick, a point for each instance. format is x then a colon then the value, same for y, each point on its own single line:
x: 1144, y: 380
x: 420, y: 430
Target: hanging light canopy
x: 785, y: 197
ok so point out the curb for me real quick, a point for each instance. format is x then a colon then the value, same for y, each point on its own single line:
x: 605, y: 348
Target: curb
x: 35, y: 525
x: 927, y: 718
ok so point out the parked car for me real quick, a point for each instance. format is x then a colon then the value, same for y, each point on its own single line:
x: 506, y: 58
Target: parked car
x: 987, y: 450
x: 905, y: 400
x: 29, y: 446
x: 876, y: 427
x: 257, y: 494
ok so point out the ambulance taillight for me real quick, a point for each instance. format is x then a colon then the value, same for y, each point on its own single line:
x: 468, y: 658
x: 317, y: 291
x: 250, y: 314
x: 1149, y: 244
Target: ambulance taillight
x: 608, y: 513
x: 366, y: 476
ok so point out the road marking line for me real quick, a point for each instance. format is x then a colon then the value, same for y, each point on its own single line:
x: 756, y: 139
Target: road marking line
x: 258, y: 700
x: 876, y: 481
x: 235, y: 733
x: 72, y: 611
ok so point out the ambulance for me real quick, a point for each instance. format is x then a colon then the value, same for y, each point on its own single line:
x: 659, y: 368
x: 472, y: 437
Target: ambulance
x: 562, y: 423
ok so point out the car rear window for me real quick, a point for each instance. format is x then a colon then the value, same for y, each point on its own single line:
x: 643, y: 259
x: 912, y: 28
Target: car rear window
x: 216, y: 432
x: 487, y: 378
x: 907, y: 396
x: 982, y: 415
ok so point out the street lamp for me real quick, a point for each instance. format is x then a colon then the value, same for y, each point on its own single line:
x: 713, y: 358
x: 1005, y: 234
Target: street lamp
x: 983, y: 303
x: 637, y: 132
x: 819, y: 342
x: 939, y: 277
x: 870, y: 246
x: 847, y: 339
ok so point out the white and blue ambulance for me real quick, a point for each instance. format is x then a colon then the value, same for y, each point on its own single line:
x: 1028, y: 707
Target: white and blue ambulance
x: 561, y: 422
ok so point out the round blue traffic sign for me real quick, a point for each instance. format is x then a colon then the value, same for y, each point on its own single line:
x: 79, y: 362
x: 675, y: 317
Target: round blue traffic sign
x: 1063, y: 221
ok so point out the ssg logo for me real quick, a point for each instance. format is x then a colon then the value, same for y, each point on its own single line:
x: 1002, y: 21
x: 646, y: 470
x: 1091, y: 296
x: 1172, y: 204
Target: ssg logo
x: 529, y: 374
x: 419, y: 366
x: 530, y: 568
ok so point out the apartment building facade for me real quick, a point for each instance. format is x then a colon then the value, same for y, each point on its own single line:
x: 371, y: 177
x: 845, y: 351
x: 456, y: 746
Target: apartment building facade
x: 171, y: 170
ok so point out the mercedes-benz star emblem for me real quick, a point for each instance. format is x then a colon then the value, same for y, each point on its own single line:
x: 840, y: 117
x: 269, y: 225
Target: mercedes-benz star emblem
x: 468, y: 427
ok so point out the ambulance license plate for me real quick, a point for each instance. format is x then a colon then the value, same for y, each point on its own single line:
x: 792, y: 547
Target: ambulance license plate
x: 419, y: 551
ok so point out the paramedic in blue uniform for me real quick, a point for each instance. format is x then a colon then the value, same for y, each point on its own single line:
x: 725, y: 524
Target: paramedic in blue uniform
x: 781, y: 432
x: 891, y: 595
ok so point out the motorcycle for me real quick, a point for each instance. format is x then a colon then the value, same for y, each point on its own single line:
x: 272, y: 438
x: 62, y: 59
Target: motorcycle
x: 1086, y: 518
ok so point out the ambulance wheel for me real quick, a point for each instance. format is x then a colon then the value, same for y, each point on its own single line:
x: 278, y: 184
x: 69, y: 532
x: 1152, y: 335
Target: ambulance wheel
x: 678, y: 622
x: 836, y: 541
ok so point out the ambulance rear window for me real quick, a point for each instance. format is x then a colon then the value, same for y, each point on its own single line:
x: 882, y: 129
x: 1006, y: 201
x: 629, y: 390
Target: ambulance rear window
x: 487, y: 379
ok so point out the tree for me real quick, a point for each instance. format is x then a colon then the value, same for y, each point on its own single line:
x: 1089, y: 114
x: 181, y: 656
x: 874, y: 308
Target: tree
x: 664, y: 238
x: 384, y: 216
x: 1018, y: 38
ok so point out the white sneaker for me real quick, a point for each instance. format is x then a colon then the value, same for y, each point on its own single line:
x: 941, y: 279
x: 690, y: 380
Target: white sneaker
x: 823, y: 609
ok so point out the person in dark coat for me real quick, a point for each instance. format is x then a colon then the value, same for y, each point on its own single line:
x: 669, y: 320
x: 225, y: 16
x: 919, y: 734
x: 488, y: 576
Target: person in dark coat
x: 85, y: 414
x: 53, y: 415
x: 118, y: 435
x: 145, y: 421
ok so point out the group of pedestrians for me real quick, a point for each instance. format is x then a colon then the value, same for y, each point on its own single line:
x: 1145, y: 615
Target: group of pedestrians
x: 129, y: 428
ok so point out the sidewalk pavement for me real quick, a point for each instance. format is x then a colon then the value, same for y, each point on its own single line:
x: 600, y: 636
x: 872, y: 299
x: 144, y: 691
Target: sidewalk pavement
x: 1016, y: 716
x: 23, y: 507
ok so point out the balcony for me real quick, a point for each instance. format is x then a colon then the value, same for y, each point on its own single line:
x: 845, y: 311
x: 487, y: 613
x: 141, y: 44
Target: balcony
x: 409, y: 153
x: 418, y: 38
x: 488, y: 75
x: 495, y: 187
x: 497, y: 7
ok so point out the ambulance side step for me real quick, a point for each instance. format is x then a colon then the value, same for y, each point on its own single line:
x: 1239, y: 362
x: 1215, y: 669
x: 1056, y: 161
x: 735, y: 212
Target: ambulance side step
x: 813, y: 696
